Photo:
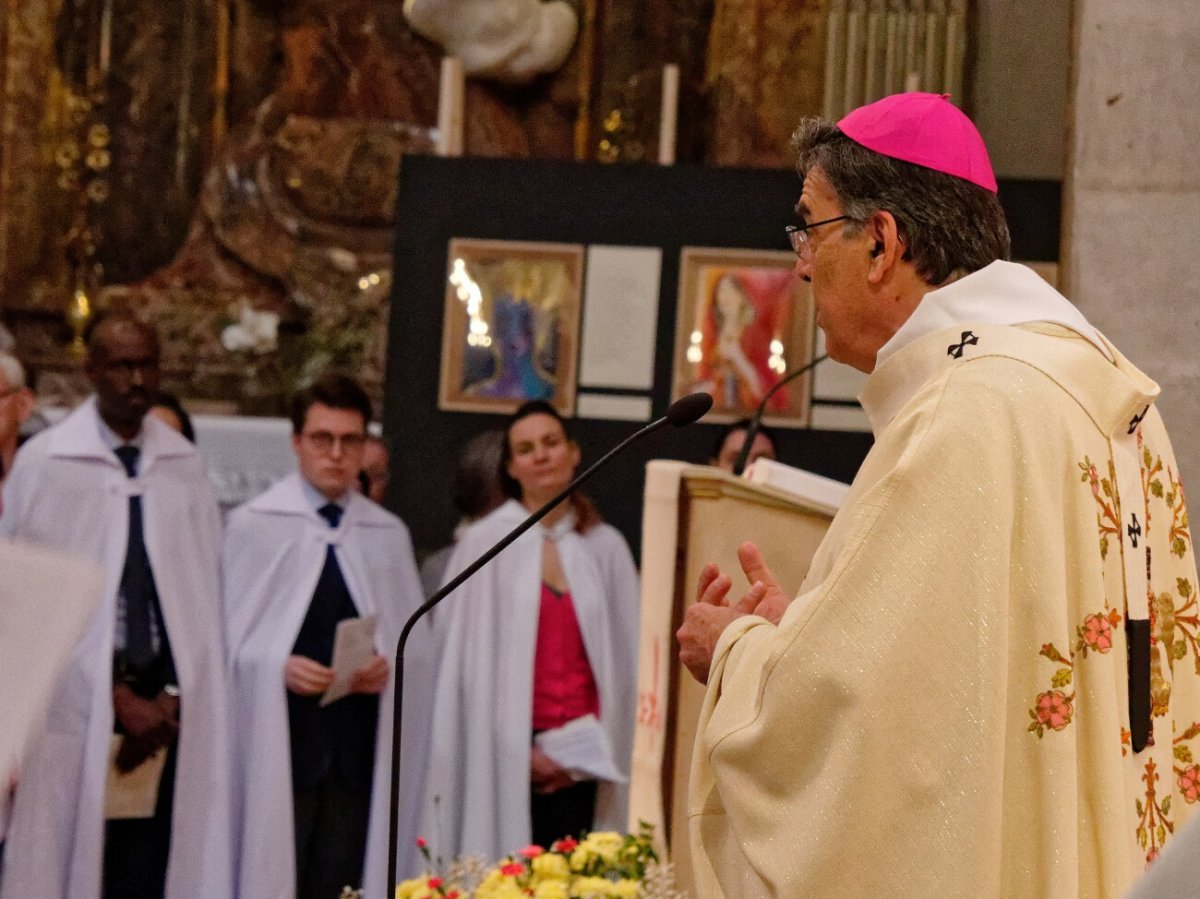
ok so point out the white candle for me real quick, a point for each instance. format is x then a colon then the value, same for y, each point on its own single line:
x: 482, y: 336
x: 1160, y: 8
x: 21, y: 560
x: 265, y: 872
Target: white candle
x: 451, y: 98
x: 669, y: 116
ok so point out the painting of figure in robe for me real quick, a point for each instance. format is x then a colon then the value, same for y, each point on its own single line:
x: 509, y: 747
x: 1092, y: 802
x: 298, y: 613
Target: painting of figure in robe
x: 510, y: 330
x: 744, y: 321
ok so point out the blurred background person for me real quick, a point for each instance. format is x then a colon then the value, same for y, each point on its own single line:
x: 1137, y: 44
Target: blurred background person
x: 546, y: 633
x: 731, y: 440
x: 376, y: 471
x: 477, y: 492
x: 16, y: 405
x: 169, y: 410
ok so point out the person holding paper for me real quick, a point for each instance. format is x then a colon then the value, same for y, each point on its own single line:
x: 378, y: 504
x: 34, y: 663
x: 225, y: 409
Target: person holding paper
x: 988, y: 685
x: 543, y: 635
x: 147, y: 682
x: 310, y: 565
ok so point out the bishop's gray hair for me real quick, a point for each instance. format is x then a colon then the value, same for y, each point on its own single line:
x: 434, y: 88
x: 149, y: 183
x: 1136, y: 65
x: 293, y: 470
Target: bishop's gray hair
x: 12, y: 370
x: 949, y: 225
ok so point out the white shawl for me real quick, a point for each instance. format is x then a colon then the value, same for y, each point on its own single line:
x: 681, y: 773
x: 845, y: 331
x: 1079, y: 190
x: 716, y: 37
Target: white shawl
x: 275, y: 548
x: 67, y: 490
x: 477, y: 797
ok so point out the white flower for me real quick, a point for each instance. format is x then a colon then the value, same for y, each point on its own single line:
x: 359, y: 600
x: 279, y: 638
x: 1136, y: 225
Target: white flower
x: 254, y: 330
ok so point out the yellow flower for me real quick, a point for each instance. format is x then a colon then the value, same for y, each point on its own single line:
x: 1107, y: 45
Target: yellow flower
x: 549, y: 866
x: 409, y: 889
x: 607, y: 845
x: 590, y: 888
x: 551, y: 889
x: 625, y: 889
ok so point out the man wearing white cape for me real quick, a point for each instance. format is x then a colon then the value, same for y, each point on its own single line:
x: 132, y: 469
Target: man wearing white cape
x: 69, y: 490
x: 313, y: 782
x: 478, y: 798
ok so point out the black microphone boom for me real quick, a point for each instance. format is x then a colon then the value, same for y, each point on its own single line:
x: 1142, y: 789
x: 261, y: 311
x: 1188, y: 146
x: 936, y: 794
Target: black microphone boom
x: 681, y: 412
x: 755, y: 423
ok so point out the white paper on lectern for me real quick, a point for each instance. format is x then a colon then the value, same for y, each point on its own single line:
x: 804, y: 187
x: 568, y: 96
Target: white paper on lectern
x: 46, y: 600
x: 581, y: 746
x: 353, y: 647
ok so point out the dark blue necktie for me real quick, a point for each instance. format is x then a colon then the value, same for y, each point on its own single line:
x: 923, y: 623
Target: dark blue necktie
x: 137, y: 580
x: 331, y: 602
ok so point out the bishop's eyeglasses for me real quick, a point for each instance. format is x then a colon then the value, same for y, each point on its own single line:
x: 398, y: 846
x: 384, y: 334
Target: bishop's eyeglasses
x: 798, y: 234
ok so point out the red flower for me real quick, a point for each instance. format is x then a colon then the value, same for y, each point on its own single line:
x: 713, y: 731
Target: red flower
x: 421, y: 844
x: 532, y: 851
x: 565, y: 845
x: 453, y: 894
x: 512, y: 869
x: 433, y: 882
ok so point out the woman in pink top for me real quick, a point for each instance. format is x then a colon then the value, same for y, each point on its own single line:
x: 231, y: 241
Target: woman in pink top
x: 545, y: 634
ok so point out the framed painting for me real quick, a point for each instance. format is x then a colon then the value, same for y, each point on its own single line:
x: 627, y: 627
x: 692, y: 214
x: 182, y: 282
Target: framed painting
x: 743, y: 321
x: 511, y: 324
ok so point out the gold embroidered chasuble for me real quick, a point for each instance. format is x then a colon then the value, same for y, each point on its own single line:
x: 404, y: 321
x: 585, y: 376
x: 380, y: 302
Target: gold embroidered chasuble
x: 944, y: 709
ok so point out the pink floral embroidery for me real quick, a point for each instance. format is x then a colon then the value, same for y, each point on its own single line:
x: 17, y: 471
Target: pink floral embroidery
x: 1189, y: 783
x: 1053, y: 709
x: 1097, y: 633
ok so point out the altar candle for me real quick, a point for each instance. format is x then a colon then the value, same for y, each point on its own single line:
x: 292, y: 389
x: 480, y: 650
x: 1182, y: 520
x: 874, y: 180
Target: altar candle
x: 451, y: 93
x: 669, y: 115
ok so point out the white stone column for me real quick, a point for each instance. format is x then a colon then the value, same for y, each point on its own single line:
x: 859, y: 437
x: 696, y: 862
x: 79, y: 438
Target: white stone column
x: 1131, y: 242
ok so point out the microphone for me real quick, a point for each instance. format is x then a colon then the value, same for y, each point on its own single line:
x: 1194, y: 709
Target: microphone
x: 682, y: 412
x: 755, y: 423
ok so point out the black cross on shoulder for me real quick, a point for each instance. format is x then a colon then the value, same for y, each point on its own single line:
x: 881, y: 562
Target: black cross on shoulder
x: 956, y: 349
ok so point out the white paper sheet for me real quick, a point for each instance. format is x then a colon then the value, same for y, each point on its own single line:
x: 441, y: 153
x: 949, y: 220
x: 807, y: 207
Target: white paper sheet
x: 581, y: 746
x: 132, y: 794
x: 614, y: 408
x: 353, y: 647
x: 620, y: 317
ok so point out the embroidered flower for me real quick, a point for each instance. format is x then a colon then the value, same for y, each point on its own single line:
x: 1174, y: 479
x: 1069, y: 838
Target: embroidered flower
x: 1189, y: 783
x: 1053, y: 709
x: 1097, y: 633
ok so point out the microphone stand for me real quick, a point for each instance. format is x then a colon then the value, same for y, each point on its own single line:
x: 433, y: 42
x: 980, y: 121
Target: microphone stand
x: 686, y: 414
x: 755, y: 423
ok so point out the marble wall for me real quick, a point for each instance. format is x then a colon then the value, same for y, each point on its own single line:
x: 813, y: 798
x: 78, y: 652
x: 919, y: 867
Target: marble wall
x: 1131, y: 252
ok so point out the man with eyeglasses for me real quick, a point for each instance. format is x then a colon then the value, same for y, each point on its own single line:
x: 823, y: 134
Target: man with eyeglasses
x: 989, y: 683
x: 306, y: 556
x: 125, y: 794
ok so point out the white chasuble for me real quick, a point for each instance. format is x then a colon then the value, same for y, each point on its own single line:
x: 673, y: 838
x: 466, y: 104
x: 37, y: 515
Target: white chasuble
x: 944, y: 710
x: 477, y: 797
x: 67, y: 490
x: 275, y: 548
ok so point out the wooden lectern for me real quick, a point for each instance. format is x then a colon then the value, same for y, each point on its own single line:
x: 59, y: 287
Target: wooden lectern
x: 696, y: 514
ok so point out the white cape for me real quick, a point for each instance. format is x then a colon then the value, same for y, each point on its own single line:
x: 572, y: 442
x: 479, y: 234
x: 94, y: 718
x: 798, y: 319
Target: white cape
x: 67, y: 490
x: 477, y: 797
x: 275, y: 548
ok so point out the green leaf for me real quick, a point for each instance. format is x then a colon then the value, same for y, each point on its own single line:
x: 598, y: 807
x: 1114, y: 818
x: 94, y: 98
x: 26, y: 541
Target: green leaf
x: 1141, y: 809
x: 1179, y: 650
x: 1162, y: 834
x: 1104, y: 547
x: 1156, y: 488
x: 1166, y: 806
x: 1178, y: 547
x: 1062, y: 677
x: 1184, y: 586
x: 1183, y: 753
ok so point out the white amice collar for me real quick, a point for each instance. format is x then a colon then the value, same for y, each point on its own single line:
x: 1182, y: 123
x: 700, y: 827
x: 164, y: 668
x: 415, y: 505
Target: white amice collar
x: 1003, y: 293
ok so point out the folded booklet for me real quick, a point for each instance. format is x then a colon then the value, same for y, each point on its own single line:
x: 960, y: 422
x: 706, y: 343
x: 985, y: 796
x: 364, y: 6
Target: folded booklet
x: 581, y: 746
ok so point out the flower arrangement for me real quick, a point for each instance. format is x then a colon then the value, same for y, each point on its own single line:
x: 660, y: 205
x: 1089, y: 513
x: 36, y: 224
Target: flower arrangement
x: 600, y: 866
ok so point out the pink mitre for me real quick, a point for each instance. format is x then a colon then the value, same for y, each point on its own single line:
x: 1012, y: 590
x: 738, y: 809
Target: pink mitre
x: 926, y: 130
